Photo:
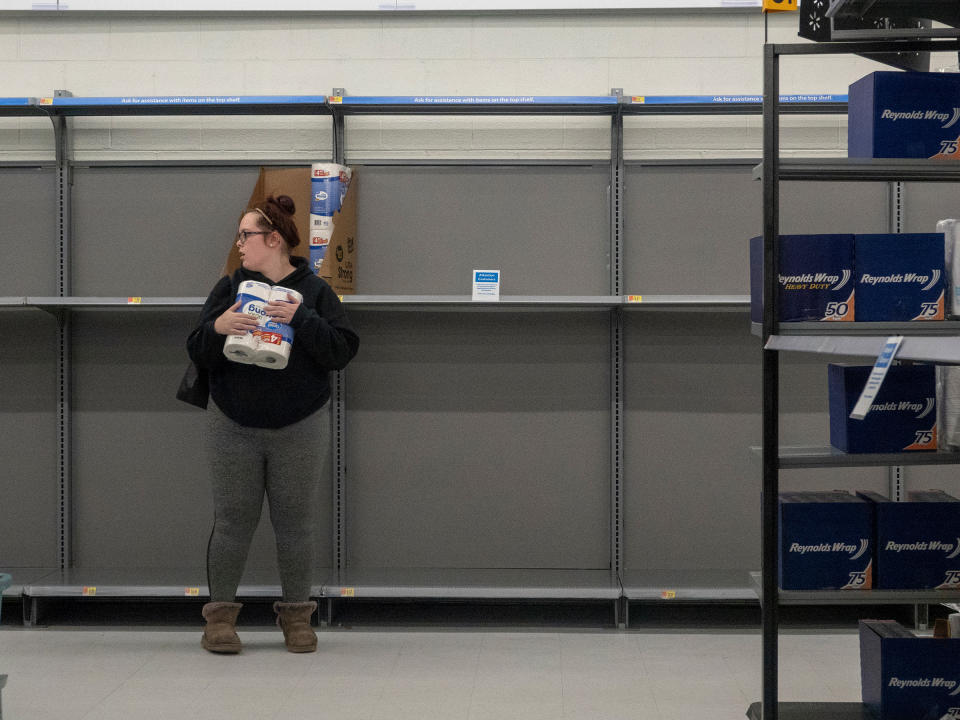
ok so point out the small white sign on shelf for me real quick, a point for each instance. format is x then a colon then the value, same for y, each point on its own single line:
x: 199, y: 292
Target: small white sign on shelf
x: 877, y: 375
x: 486, y: 285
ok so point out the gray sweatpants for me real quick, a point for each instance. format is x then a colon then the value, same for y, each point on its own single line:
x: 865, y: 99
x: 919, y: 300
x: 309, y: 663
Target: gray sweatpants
x: 285, y: 464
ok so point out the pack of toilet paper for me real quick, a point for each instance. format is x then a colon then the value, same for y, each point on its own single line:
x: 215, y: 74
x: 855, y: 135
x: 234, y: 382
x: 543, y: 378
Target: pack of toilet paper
x: 270, y: 343
x: 328, y: 187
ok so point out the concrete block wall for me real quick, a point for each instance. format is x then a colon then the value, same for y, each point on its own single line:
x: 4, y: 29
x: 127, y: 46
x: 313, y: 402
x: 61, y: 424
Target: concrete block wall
x: 583, y: 53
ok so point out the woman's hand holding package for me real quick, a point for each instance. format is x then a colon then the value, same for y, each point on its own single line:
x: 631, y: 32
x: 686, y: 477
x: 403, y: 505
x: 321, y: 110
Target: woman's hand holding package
x: 232, y: 322
x: 283, y: 310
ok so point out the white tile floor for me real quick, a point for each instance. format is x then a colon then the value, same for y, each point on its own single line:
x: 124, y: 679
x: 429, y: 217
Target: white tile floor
x: 136, y: 674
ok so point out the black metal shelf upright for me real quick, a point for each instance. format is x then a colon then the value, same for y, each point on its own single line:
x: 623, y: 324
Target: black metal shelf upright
x: 772, y: 173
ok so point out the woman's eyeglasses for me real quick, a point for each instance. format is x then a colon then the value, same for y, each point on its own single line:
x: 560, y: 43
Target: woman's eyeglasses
x: 245, y: 235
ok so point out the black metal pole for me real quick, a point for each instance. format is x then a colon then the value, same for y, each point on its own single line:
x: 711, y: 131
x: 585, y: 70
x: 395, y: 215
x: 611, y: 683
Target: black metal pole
x: 771, y: 377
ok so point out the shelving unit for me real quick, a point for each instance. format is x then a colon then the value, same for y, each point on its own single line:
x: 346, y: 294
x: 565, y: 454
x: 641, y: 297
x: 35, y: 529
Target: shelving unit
x: 596, y: 308
x: 932, y: 343
x: 71, y: 313
x: 364, y: 572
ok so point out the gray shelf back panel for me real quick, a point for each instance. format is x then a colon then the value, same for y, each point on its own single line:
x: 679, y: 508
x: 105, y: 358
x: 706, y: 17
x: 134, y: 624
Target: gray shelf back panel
x: 691, y: 484
x: 141, y: 489
x: 421, y: 230
x: 691, y: 410
x: 29, y: 442
x: 688, y: 226
x: 479, y: 441
x: 925, y: 203
x: 155, y: 231
x: 28, y: 250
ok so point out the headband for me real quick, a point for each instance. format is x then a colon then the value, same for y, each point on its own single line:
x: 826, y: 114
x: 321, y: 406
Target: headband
x: 264, y: 215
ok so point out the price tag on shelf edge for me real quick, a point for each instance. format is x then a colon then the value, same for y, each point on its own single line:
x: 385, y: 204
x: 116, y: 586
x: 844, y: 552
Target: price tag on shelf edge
x: 877, y: 375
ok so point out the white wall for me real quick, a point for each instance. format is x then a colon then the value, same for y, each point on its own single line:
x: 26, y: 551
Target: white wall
x: 642, y: 52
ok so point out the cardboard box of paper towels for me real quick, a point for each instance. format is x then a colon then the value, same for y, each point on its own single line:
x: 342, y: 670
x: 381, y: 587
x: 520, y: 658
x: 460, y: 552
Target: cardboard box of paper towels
x: 339, y: 266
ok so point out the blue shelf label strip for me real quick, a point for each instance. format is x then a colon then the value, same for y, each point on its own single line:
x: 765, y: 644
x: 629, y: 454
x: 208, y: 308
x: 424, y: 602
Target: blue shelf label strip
x: 730, y: 99
x: 412, y: 100
x: 507, y: 100
x: 187, y: 100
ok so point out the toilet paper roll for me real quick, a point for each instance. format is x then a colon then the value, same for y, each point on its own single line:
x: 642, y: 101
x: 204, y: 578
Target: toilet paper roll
x: 276, y: 338
x: 253, y: 297
x: 321, y: 230
x: 321, y: 226
x: 328, y: 186
x: 950, y: 228
x: 948, y: 408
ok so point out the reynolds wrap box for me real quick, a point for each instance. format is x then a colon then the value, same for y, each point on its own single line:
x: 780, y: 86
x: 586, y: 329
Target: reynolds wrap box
x: 902, y: 417
x: 825, y: 541
x: 904, y: 115
x: 900, y: 277
x: 917, y: 542
x: 904, y: 677
x: 815, y: 278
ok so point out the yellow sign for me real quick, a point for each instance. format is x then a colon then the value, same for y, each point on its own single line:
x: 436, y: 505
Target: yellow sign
x: 639, y: 99
x: 191, y: 592
x: 336, y: 99
x: 89, y: 591
x: 134, y: 300
x: 779, y: 5
x: 634, y: 298
x: 668, y: 594
x: 347, y: 592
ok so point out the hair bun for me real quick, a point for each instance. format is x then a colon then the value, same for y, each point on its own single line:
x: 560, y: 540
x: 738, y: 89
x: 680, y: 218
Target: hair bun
x: 285, y: 203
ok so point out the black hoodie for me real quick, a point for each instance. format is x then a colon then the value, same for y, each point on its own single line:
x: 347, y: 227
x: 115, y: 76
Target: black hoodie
x: 264, y: 397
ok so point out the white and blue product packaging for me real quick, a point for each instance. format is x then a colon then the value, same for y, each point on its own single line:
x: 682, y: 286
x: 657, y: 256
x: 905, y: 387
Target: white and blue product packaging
x: 902, y: 416
x: 825, y: 541
x: 328, y: 186
x: 253, y: 297
x: 276, y: 338
x: 900, y: 277
x: 904, y: 677
x: 815, y: 278
x: 917, y: 544
x: 904, y: 115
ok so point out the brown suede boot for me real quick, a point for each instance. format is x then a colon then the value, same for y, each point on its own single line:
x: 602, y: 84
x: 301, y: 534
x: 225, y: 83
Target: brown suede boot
x: 220, y: 632
x: 294, y: 620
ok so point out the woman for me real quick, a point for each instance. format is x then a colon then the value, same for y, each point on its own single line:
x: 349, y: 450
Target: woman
x: 268, y: 429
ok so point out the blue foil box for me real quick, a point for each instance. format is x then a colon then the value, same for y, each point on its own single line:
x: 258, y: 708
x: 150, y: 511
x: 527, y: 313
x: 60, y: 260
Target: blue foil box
x: 902, y: 417
x: 904, y: 115
x: 903, y: 677
x: 825, y: 541
x: 815, y: 278
x: 917, y: 542
x: 900, y: 277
